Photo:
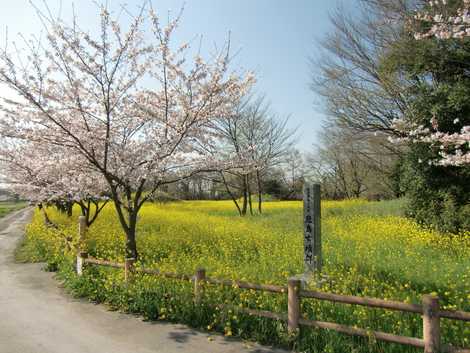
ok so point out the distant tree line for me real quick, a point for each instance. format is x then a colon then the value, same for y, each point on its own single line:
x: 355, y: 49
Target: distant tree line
x: 269, y: 167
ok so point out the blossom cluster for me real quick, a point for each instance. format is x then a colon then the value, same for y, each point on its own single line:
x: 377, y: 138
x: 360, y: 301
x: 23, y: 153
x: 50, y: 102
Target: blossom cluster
x: 443, y: 26
x: 453, y: 148
x: 44, y: 174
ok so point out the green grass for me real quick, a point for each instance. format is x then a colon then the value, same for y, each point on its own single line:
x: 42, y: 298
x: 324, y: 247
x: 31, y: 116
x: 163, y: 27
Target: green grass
x: 10, y: 206
x: 370, y: 249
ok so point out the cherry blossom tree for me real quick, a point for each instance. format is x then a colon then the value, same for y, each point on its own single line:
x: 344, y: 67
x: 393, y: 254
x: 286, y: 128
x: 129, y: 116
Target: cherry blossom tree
x: 131, y: 104
x: 48, y: 175
x: 441, y: 23
x: 453, y: 147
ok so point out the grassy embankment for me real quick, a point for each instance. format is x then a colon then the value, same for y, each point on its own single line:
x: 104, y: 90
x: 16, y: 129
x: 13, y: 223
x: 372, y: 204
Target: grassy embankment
x: 10, y: 206
x: 370, y: 249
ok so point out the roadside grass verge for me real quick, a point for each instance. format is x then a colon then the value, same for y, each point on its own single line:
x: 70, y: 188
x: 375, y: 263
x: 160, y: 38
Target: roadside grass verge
x: 9, y: 206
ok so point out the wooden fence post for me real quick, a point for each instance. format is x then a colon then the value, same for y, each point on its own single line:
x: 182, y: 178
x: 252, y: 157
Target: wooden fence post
x: 293, y: 306
x: 199, y: 279
x: 81, y: 251
x: 431, y: 324
x: 79, y: 265
x: 128, y: 268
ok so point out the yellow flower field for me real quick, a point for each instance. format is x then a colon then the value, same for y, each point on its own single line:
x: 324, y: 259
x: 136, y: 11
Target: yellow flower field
x: 369, y: 249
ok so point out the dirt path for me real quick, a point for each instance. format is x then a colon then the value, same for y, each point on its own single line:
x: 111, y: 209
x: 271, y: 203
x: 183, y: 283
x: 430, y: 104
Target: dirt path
x: 37, y: 317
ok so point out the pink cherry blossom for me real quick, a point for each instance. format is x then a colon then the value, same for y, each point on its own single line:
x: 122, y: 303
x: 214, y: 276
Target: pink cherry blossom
x: 454, y: 148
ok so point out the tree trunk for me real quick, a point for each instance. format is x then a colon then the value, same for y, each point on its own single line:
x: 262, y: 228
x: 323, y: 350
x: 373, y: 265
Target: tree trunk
x: 232, y: 196
x: 129, y: 225
x: 92, y: 217
x: 127, y: 215
x: 249, y: 195
x: 59, y: 206
x: 88, y: 212
x: 260, y: 191
x: 47, y: 220
x: 69, y: 209
x: 131, y: 244
x: 245, y: 195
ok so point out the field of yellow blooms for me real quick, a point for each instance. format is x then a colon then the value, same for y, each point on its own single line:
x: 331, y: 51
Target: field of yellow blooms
x: 369, y: 249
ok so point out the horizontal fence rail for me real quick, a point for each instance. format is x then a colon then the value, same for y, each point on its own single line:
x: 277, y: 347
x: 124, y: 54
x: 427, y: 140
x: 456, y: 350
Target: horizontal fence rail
x: 246, y: 285
x: 384, y: 304
x: 103, y: 263
x: 364, y: 301
x: 429, y: 309
x: 253, y: 312
x: 388, y: 337
x: 455, y: 315
x: 166, y: 274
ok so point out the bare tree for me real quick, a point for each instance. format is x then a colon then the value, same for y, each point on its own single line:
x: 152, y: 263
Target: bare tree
x: 361, y: 97
x: 260, y: 139
x: 357, y: 93
x: 352, y: 164
x: 293, y: 173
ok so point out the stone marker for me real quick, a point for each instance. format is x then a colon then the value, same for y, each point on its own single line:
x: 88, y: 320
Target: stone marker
x: 312, y: 230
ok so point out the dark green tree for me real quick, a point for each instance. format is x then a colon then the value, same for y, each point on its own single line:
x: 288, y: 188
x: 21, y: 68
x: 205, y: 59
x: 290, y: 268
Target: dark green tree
x: 437, y: 73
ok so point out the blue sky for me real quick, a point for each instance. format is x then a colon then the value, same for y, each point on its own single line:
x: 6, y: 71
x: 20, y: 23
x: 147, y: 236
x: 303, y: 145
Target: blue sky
x: 275, y: 39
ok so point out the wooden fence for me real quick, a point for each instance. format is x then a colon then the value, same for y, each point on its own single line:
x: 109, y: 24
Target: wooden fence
x: 429, y: 308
